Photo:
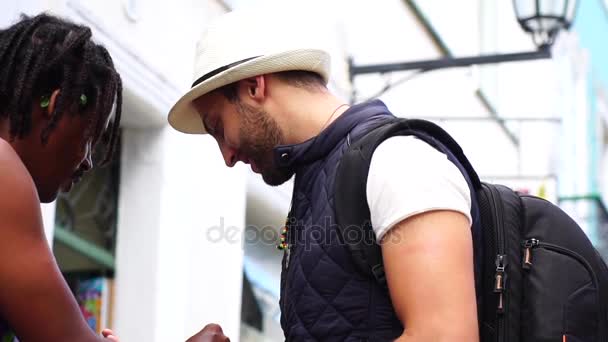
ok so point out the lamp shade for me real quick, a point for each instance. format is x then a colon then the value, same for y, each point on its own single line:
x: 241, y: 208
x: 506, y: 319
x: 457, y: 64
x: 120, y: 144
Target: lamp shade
x: 544, y: 18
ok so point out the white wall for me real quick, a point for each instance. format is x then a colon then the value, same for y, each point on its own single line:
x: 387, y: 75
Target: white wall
x: 175, y: 271
x: 138, y: 241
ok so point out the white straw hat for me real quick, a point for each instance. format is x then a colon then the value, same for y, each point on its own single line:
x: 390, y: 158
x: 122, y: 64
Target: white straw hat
x: 239, y: 45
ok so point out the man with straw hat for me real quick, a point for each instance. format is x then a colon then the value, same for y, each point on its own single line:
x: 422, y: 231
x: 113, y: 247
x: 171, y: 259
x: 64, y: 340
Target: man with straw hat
x: 260, y: 90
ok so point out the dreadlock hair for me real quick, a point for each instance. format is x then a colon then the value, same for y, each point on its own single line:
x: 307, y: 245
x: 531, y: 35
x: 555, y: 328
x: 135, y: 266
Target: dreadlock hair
x: 42, y: 53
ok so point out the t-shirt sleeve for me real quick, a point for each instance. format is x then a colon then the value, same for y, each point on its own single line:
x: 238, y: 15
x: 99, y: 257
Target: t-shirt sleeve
x: 407, y: 177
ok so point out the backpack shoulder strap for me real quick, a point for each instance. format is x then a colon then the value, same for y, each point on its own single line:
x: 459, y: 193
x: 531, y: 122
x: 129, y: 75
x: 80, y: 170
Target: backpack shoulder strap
x: 352, y: 211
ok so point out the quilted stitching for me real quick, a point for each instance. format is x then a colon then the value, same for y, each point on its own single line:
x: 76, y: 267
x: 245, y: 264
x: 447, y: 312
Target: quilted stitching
x: 322, y: 296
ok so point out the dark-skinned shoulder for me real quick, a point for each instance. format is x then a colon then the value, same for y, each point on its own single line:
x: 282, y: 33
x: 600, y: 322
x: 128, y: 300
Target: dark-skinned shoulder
x: 19, y: 199
x: 35, y: 301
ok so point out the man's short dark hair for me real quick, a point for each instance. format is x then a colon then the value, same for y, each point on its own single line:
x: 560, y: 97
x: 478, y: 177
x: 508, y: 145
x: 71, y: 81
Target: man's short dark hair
x: 297, y: 78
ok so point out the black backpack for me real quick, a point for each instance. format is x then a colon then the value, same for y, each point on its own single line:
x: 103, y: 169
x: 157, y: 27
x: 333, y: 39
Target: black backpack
x: 541, y: 278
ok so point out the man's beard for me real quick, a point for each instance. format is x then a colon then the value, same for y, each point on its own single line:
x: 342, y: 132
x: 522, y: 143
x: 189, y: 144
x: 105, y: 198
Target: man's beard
x: 260, y: 134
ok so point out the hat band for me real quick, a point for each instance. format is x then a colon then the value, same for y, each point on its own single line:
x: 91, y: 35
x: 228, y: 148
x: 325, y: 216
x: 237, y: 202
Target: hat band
x: 218, y: 70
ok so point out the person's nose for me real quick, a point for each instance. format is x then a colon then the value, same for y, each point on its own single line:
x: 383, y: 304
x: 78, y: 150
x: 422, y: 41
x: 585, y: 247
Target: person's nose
x: 230, y: 155
x: 87, y: 162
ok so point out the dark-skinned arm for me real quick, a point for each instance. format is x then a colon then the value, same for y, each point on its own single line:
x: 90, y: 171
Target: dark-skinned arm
x: 34, y: 297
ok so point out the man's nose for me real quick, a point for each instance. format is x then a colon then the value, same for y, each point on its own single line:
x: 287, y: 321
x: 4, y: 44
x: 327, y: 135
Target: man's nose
x: 229, y: 154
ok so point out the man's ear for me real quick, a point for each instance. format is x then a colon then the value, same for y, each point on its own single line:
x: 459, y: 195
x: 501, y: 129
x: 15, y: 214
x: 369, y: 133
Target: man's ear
x: 52, y: 103
x: 256, y: 88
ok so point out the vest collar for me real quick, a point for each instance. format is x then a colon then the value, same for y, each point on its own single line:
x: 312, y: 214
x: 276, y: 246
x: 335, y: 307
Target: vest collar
x: 290, y: 156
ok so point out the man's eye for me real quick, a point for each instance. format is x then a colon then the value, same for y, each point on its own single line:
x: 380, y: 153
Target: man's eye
x: 218, y: 130
x: 214, y: 128
x: 208, y: 126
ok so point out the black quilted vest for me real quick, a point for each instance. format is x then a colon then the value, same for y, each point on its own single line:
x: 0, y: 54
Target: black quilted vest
x: 323, y: 296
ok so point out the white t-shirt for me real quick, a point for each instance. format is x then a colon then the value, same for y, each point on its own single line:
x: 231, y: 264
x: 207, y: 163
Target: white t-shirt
x: 407, y: 177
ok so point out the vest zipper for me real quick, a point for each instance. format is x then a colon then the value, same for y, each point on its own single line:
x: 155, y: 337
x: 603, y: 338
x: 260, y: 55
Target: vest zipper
x: 500, y: 276
x: 289, y: 239
x: 286, y: 284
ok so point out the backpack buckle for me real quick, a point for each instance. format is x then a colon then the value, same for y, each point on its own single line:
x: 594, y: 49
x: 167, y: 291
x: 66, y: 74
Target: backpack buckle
x: 379, y: 275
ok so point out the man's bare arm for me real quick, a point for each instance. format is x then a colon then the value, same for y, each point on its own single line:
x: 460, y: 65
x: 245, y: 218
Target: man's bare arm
x: 428, y: 260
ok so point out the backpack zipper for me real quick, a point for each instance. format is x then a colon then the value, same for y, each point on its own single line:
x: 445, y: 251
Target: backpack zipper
x: 530, y: 244
x: 500, y: 276
x: 499, y: 282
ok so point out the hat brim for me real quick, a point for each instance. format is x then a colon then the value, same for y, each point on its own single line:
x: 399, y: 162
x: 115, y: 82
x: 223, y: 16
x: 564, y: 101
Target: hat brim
x: 185, y: 118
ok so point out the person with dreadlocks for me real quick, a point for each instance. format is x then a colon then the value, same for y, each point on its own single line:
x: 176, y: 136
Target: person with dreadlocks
x: 60, y: 97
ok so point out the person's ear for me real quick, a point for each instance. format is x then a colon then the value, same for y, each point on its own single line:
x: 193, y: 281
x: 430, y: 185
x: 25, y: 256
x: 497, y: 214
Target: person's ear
x: 256, y: 88
x: 48, y: 103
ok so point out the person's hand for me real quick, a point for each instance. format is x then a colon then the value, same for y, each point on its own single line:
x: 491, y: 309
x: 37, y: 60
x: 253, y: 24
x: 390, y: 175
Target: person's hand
x: 210, y: 333
x: 109, y: 334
